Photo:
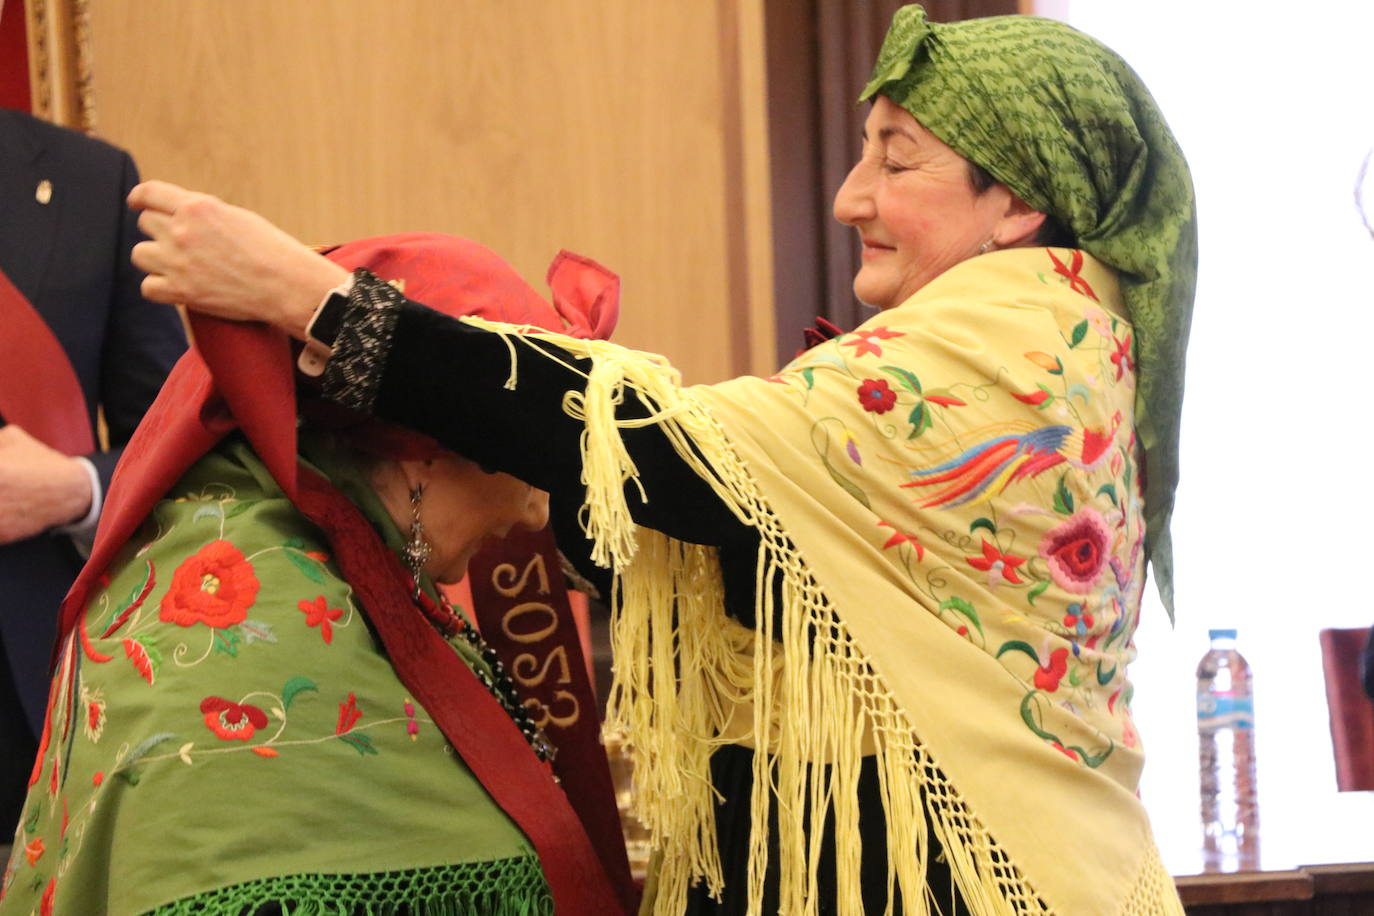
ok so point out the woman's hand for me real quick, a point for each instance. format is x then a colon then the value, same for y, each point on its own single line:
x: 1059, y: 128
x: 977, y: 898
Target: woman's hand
x: 226, y: 261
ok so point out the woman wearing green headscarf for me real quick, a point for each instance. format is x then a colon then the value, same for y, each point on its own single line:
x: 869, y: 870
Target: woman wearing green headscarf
x: 872, y: 614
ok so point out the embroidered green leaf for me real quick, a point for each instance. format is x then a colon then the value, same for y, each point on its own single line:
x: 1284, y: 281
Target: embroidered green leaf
x: 35, y: 812
x: 294, y: 687
x: 1036, y: 591
x: 982, y: 523
x: 257, y: 631
x: 920, y: 420
x: 295, y: 543
x: 1110, y: 490
x: 1048, y: 400
x: 849, y: 486
x: 211, y: 511
x: 1017, y: 645
x: 960, y: 606
x: 1063, y: 499
x: 1075, y: 679
x: 227, y: 641
x: 1028, y: 716
x: 1091, y: 761
x: 905, y: 377
x: 308, y: 567
x: 359, y: 742
x: 127, y: 766
x: 817, y: 356
x: 809, y: 375
x: 1104, y: 679
x: 1080, y: 330
x: 240, y: 506
x: 1081, y: 392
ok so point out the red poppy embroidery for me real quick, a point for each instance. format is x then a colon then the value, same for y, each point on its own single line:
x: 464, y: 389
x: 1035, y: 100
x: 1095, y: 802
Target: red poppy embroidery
x: 862, y: 340
x: 232, y: 721
x: 214, y: 586
x: 876, y: 395
x: 994, y: 562
x: 1047, y: 676
x: 319, y: 614
x: 1077, y: 551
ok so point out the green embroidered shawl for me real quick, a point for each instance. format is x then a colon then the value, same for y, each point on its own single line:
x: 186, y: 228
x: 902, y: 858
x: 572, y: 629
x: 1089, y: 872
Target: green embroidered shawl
x: 227, y: 733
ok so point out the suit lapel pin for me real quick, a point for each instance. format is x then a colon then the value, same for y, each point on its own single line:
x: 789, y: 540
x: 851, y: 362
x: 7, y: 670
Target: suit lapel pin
x: 44, y: 192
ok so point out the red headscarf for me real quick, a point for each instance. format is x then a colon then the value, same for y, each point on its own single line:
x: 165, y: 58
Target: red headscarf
x: 241, y: 376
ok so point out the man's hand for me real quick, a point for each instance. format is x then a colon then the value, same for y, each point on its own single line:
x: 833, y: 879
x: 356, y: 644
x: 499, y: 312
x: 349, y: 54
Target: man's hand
x: 40, y: 487
x: 226, y: 261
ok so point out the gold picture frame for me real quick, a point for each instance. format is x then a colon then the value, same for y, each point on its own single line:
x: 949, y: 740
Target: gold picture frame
x: 59, y: 44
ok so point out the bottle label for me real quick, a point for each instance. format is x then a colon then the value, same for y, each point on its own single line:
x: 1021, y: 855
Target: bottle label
x: 1215, y: 712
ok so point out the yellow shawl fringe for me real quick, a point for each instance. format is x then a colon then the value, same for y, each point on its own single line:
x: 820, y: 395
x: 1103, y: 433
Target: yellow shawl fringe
x: 688, y: 679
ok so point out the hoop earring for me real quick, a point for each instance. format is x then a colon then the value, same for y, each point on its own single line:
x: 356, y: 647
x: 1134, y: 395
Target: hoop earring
x: 417, y: 549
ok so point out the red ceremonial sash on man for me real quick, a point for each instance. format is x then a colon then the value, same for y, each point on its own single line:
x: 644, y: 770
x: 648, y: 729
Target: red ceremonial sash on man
x: 39, y: 389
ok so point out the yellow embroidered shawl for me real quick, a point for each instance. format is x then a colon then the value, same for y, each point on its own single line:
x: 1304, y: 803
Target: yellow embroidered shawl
x: 949, y: 505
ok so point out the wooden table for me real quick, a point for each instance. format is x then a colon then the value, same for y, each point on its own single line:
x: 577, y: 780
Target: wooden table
x: 1316, y: 857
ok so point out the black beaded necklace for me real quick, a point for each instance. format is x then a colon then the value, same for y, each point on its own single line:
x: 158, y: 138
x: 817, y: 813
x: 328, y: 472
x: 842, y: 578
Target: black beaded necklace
x: 452, y: 624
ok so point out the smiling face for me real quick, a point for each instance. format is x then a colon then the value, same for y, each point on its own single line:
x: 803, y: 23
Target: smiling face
x: 917, y: 214
x: 461, y: 507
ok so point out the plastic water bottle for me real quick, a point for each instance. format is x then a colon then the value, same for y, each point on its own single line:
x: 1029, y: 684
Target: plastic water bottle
x: 1226, y: 757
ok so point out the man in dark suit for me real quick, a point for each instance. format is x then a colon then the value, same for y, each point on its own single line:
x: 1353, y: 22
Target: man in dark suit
x: 65, y: 236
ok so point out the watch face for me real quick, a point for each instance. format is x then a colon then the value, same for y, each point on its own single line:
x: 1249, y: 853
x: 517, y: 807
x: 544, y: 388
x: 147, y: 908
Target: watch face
x: 325, y: 326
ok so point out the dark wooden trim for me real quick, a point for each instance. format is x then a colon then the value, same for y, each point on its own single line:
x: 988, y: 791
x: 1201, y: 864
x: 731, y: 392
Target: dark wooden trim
x: 739, y: 334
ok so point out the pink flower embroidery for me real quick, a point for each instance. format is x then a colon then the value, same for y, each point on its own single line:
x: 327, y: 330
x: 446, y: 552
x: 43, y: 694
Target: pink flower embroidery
x: 1078, y: 551
x: 876, y: 395
x: 862, y: 340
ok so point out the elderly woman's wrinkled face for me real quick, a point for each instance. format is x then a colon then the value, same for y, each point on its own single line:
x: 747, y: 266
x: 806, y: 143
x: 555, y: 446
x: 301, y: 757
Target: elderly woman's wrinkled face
x: 462, y: 506
x: 910, y: 198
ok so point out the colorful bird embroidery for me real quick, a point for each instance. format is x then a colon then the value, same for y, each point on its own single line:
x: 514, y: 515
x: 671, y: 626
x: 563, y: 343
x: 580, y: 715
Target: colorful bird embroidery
x: 987, y: 469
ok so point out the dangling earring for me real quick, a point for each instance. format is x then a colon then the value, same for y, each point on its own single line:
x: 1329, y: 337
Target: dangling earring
x: 417, y: 549
x: 985, y: 247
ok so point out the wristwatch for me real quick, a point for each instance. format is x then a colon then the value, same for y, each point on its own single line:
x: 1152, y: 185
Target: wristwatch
x: 323, y: 330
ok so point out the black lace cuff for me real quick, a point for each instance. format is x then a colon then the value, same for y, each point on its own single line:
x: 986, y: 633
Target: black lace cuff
x: 354, y: 373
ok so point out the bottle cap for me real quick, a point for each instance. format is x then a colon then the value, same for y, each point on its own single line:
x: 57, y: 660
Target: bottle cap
x: 1221, y: 634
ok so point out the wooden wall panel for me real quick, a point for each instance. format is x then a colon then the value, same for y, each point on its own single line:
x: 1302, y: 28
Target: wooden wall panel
x: 615, y: 128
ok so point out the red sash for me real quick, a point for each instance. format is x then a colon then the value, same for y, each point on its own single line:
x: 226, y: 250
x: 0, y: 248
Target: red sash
x: 522, y: 609
x: 39, y: 390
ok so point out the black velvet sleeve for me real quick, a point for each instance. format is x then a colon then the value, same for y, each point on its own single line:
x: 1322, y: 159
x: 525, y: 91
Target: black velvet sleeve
x: 447, y: 379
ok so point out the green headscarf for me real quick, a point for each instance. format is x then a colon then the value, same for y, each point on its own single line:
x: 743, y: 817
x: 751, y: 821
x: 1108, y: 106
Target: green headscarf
x: 1063, y: 121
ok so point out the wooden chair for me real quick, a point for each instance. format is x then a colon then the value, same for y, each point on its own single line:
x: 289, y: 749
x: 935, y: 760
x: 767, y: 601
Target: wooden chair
x: 1352, y: 711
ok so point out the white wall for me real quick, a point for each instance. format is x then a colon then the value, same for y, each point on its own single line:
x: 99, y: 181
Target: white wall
x: 1274, y: 107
